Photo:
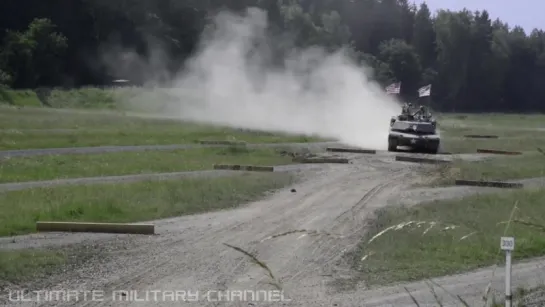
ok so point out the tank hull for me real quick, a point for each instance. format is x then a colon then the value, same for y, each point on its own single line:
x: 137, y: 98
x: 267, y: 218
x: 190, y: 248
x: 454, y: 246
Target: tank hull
x: 420, y: 143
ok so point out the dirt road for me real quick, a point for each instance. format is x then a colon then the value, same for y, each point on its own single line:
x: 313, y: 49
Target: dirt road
x: 302, y: 237
x: 329, y: 210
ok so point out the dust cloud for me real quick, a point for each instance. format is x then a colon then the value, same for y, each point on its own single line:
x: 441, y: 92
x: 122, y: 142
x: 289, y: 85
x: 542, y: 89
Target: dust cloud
x: 228, y: 82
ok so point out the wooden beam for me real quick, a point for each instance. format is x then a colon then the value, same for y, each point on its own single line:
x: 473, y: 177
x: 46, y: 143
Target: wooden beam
x: 249, y: 168
x: 95, y: 227
x: 492, y: 184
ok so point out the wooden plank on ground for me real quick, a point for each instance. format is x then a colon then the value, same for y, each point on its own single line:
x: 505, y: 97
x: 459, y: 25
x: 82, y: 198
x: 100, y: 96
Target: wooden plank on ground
x: 479, y: 136
x: 249, y: 168
x: 321, y: 160
x: 499, y: 152
x: 420, y: 160
x: 492, y: 184
x: 45, y: 226
x: 351, y: 150
x: 221, y: 142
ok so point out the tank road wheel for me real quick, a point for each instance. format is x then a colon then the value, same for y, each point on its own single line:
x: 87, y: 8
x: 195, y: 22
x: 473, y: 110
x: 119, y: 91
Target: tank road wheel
x: 392, y: 145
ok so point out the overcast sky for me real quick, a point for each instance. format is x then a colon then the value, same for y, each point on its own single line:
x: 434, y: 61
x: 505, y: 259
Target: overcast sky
x: 528, y: 14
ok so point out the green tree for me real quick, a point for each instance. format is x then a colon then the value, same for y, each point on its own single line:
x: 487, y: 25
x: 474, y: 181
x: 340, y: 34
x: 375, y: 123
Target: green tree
x: 424, y: 36
x: 474, y: 64
x: 453, y: 38
x: 403, y: 61
x: 34, y: 57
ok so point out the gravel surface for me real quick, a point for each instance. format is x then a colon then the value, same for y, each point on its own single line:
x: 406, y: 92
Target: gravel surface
x: 301, y: 236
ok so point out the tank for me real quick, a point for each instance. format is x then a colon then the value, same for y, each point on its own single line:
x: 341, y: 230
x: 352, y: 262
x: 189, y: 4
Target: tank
x: 416, y: 130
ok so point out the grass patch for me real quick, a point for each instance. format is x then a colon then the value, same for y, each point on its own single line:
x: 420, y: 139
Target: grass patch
x: 46, y: 128
x: 131, y: 202
x: 509, y: 128
x: 528, y: 296
x: 492, y: 120
x: 447, y: 237
x: 23, y: 265
x: 523, y: 141
x: 87, y: 97
x: 19, y: 98
x: 530, y: 165
x: 20, y: 169
x: 509, y: 140
x: 112, y: 98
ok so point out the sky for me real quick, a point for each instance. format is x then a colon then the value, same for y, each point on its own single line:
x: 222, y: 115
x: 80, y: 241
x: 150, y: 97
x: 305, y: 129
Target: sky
x: 525, y: 13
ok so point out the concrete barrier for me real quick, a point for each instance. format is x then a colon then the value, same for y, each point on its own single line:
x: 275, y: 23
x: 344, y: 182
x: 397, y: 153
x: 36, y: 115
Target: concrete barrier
x: 351, y: 150
x: 492, y: 184
x: 250, y: 168
x: 420, y: 160
x: 499, y: 152
x: 220, y: 142
x: 321, y: 160
x: 145, y: 229
x: 478, y: 136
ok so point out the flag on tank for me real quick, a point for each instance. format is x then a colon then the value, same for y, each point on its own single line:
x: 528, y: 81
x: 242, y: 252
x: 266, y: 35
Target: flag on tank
x: 424, y: 91
x: 394, y: 88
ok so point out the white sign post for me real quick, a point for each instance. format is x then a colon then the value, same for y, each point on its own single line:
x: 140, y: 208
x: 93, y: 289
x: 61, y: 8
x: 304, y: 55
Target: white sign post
x: 507, y: 244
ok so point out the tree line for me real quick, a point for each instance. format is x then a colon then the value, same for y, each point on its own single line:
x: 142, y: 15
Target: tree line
x: 474, y: 63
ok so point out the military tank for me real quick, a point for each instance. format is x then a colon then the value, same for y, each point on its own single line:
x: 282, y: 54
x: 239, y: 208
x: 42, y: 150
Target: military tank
x: 417, y: 130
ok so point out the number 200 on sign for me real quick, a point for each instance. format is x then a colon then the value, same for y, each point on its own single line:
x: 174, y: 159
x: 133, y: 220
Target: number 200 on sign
x: 507, y: 243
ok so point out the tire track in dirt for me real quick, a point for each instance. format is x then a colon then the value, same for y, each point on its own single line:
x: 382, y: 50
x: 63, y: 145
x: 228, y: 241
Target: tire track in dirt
x: 337, y: 241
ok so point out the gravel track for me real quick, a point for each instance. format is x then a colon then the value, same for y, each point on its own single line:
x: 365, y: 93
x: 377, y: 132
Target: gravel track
x: 301, y: 236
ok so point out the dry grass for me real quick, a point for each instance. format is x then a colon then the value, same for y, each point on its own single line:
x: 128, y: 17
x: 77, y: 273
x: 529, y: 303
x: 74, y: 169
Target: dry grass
x: 447, y: 237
